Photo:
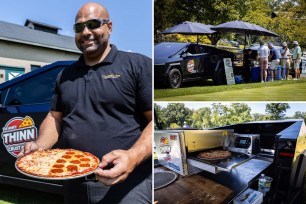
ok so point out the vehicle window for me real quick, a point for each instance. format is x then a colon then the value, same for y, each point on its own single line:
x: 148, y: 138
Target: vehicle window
x: 38, y: 89
x: 167, y: 49
x: 202, y: 49
x: 191, y: 49
x: 2, y: 96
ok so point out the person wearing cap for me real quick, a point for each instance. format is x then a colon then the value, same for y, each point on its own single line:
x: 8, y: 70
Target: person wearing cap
x: 297, y: 53
x: 263, y: 54
x: 285, y: 61
x: 274, y: 57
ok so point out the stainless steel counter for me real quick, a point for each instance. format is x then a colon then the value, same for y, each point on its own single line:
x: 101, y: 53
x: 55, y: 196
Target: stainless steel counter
x: 243, y: 176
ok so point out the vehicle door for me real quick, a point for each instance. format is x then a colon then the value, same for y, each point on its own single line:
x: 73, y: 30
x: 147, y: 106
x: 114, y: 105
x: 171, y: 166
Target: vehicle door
x: 193, y: 61
x: 24, y: 105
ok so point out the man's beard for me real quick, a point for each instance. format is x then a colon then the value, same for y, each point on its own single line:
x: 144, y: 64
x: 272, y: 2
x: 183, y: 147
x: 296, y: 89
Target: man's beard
x: 98, y: 46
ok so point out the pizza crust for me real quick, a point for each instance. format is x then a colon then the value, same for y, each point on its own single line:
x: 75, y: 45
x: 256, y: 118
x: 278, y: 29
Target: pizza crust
x: 58, y: 163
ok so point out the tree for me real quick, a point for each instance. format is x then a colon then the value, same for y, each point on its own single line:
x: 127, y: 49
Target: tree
x: 288, y: 19
x: 259, y: 117
x: 222, y: 115
x: 158, y: 116
x: 240, y: 112
x: 202, y: 118
x: 219, y: 115
x: 176, y: 113
x: 277, y: 111
x: 300, y: 115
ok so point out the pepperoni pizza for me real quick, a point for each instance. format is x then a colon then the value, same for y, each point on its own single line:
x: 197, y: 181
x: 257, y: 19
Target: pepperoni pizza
x: 58, y: 163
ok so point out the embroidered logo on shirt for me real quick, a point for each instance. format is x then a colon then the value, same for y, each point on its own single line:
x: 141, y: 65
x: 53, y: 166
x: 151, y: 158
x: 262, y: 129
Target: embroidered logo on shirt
x: 111, y: 76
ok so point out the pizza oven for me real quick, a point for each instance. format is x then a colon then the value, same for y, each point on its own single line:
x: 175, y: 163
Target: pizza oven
x: 179, y: 150
x: 270, y: 147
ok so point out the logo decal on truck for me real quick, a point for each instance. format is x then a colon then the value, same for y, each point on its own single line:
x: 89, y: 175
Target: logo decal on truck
x: 16, y: 132
x: 190, y: 66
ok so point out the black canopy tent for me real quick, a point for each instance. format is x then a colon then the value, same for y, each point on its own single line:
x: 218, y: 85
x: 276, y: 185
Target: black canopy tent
x: 190, y: 28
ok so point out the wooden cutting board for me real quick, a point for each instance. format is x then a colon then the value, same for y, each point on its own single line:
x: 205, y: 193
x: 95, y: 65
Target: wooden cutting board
x: 193, y: 189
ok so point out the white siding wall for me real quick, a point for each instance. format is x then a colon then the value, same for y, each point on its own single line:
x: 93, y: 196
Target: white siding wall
x: 21, y: 55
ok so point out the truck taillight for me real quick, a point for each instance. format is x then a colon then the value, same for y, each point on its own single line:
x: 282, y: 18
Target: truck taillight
x: 286, y: 154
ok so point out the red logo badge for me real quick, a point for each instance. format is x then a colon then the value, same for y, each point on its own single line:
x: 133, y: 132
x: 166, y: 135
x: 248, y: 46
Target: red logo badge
x: 190, y: 66
x: 16, y: 132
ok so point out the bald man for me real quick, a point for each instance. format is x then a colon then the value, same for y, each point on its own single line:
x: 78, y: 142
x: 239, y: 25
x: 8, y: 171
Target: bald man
x: 103, y: 104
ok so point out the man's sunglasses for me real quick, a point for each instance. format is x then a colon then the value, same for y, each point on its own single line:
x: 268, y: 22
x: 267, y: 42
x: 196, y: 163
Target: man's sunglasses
x: 90, y: 24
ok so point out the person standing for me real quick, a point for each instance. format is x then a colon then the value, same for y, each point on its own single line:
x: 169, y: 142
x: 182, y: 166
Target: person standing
x: 102, y: 104
x: 285, y: 61
x: 263, y: 54
x: 186, y: 125
x: 247, y: 65
x: 297, y: 54
x: 274, y: 57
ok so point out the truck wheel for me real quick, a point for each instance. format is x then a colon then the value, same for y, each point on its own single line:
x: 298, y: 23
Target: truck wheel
x: 174, y: 78
x: 219, y: 78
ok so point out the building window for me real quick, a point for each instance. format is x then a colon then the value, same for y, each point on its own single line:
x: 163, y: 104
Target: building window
x: 34, y: 67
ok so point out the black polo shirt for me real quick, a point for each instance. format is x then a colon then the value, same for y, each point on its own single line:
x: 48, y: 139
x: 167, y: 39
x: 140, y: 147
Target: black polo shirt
x: 103, y: 105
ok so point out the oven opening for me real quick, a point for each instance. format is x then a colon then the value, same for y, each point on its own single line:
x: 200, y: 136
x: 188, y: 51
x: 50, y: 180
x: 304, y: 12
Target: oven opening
x: 267, y: 144
x: 215, y: 165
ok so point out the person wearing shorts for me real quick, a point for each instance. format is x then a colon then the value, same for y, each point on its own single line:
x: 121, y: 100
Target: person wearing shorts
x: 285, y: 61
x: 274, y: 57
x: 297, y: 53
x: 263, y: 53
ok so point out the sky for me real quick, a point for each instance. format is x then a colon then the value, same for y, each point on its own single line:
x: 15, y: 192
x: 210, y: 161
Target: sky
x: 256, y: 107
x: 132, y: 19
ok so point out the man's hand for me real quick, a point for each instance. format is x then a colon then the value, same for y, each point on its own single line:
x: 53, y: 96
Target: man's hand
x: 28, y: 148
x: 123, y: 164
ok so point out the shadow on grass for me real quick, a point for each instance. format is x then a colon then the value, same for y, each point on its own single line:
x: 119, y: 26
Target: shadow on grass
x: 207, y: 82
x: 16, y: 195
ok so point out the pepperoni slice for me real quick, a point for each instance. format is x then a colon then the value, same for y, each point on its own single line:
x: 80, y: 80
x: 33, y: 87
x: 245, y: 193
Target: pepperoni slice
x: 75, y: 161
x: 85, y: 165
x: 58, y: 165
x: 70, y: 153
x: 72, y: 168
x: 79, y: 156
x: 60, y: 161
x: 85, y: 159
x: 66, y: 156
x: 57, y: 171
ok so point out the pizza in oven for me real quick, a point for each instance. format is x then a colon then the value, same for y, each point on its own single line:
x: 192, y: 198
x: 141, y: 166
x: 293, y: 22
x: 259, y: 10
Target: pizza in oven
x: 215, y: 154
x: 58, y: 163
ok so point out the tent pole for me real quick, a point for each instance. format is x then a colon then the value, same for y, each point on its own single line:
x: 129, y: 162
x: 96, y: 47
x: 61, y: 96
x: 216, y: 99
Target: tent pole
x: 245, y: 40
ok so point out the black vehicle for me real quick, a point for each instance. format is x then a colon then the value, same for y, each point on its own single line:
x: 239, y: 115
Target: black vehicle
x: 26, y: 98
x: 175, y: 63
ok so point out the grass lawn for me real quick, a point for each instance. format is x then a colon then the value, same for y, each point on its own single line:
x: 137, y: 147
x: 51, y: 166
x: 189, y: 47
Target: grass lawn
x: 304, y: 193
x: 286, y: 90
x: 15, y: 195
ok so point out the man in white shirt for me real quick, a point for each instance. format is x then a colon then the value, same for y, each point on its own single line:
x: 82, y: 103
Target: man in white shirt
x: 263, y: 53
x: 285, y: 61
